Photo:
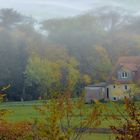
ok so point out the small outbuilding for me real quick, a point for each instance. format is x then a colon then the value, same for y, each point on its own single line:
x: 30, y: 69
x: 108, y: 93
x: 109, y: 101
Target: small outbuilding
x: 96, y: 92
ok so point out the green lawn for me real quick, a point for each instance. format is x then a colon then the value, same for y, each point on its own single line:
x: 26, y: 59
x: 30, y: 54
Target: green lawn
x: 21, y: 111
x: 25, y: 111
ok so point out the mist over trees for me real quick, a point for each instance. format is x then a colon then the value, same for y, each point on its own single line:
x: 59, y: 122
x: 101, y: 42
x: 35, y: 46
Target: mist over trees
x: 76, y: 51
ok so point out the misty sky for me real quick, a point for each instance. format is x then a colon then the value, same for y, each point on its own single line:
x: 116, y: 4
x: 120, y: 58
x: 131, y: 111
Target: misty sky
x: 61, y: 8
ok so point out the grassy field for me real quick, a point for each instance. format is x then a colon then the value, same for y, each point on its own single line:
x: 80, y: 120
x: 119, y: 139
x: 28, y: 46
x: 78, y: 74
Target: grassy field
x: 21, y: 111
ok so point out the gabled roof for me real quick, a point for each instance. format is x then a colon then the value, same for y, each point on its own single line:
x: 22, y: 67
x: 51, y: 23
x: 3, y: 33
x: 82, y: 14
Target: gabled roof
x: 131, y: 67
x: 131, y: 63
x: 129, y: 60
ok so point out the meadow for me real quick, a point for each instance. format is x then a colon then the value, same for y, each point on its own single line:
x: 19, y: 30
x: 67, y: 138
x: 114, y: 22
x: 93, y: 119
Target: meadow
x: 21, y: 111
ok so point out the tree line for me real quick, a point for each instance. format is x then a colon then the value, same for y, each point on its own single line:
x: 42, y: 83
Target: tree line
x: 74, y: 52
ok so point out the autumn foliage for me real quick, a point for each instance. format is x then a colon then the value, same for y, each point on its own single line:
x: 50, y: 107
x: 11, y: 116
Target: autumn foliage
x: 15, y: 131
x: 130, y: 123
x: 59, y: 119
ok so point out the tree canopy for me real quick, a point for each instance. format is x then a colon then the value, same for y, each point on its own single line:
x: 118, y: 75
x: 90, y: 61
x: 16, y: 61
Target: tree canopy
x: 74, y: 52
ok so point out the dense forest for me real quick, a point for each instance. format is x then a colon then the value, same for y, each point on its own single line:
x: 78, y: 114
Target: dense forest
x: 63, y: 54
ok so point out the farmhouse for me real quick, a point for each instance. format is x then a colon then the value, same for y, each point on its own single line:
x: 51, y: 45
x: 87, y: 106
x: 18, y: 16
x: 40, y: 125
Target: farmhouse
x: 121, y: 81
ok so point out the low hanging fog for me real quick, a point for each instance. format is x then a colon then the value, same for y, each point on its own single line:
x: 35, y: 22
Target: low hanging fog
x: 53, y: 8
x: 46, y: 44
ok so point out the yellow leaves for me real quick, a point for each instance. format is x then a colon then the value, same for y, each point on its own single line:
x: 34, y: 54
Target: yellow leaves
x: 55, y: 114
x: 2, y: 97
x: 43, y: 71
x: 97, y: 102
x: 86, y: 79
x: 6, y: 87
x: 3, y: 113
x: 48, y: 72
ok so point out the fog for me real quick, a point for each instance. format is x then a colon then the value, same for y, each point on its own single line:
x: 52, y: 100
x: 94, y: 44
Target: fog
x: 72, y: 42
x: 41, y: 9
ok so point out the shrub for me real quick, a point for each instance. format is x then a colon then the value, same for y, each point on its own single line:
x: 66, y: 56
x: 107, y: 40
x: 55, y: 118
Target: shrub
x: 130, y: 123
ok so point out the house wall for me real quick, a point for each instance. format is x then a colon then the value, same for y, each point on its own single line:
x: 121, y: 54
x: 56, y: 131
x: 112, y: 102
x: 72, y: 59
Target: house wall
x: 116, y: 92
x: 119, y: 91
x: 94, y: 93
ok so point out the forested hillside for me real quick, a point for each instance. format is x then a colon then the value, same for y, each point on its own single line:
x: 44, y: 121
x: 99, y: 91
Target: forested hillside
x: 74, y: 52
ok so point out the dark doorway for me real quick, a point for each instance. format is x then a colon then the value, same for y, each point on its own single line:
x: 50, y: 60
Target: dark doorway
x: 107, y: 92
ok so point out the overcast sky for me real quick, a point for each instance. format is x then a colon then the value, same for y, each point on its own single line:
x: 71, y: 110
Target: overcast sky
x: 61, y: 8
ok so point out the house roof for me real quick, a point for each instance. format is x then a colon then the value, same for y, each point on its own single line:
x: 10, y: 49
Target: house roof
x: 130, y: 66
x: 131, y: 63
x: 129, y: 59
x: 103, y: 84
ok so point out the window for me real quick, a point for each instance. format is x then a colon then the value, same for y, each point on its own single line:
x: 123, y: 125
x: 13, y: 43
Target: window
x: 114, y: 99
x: 125, y: 87
x: 124, y: 75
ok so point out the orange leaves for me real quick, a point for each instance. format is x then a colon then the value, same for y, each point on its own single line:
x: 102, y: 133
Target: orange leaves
x: 129, y: 128
x: 127, y: 103
x: 65, y: 115
x: 10, y: 131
